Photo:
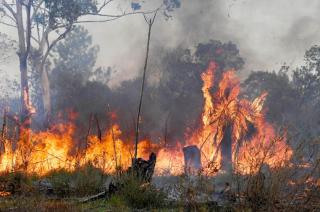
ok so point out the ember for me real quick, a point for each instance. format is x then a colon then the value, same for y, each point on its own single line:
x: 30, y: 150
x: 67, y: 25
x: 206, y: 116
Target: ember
x: 4, y: 194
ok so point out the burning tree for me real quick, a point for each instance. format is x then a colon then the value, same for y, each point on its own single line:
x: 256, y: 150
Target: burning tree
x: 41, y: 24
x: 231, y: 122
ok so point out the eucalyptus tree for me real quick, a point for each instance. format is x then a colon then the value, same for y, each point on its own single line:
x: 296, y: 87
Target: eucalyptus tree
x: 41, y: 24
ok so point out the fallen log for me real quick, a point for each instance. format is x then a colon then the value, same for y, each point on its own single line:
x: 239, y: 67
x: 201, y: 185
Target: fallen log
x: 94, y: 197
x: 109, y: 188
x: 44, y: 186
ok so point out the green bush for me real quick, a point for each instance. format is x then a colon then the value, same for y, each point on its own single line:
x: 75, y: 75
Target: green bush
x: 61, y: 182
x: 86, y: 180
x: 140, y: 195
x: 117, y: 202
x: 89, y: 180
x: 16, y: 182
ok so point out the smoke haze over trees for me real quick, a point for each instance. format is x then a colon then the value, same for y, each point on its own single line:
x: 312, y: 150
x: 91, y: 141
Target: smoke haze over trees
x: 173, y: 99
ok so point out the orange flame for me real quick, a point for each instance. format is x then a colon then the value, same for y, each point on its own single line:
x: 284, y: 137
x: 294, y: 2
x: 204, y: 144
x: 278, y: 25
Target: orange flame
x: 253, y: 139
x: 224, y: 108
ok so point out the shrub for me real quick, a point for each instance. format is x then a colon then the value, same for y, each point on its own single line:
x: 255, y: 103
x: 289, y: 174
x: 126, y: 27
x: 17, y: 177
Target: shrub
x: 292, y: 186
x: 89, y: 180
x: 61, y: 182
x: 117, y: 202
x: 16, y: 182
x: 85, y: 180
x: 137, y: 194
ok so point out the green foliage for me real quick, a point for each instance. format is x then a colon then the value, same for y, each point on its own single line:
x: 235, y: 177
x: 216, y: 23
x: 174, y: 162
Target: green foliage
x: 17, y: 182
x: 84, y: 181
x: 226, y: 55
x: 293, y: 100
x: 67, y: 12
x: 37, y: 203
x: 75, y: 55
x: 138, y: 195
x: 174, y: 104
x: 89, y: 180
x: 307, y: 78
x: 281, y: 93
x: 170, y: 6
x: 61, y: 182
x: 75, y: 83
x: 117, y: 202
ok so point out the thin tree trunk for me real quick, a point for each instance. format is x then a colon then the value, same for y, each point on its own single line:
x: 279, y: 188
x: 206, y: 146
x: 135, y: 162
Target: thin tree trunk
x: 150, y: 23
x: 24, y: 113
x: 25, y: 99
x: 23, y: 53
x: 46, y: 97
x: 226, y: 149
x: 44, y: 81
x: 3, y: 131
x: 114, y: 142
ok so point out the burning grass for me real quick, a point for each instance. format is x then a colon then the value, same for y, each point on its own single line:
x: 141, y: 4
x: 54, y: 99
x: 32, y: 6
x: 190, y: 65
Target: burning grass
x: 231, y: 129
x: 233, y: 139
x: 292, y: 187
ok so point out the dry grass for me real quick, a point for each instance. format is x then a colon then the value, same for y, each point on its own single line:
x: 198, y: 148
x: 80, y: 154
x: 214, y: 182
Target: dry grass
x: 293, y: 186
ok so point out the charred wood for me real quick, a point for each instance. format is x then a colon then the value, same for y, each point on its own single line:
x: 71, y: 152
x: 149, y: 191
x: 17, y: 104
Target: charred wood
x: 192, y: 159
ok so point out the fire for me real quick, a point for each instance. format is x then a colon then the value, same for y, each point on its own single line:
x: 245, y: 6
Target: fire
x: 44, y: 151
x: 54, y: 149
x: 4, y: 194
x: 233, y: 133
x: 252, y: 139
x: 170, y: 161
x: 111, y: 151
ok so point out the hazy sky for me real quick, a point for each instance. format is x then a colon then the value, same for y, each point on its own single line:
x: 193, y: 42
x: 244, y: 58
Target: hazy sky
x: 267, y: 32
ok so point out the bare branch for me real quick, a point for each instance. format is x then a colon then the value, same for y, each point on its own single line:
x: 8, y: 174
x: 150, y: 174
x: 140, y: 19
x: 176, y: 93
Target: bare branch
x: 21, y: 30
x: 95, y: 21
x: 9, y: 16
x: 111, y: 17
x: 7, y: 24
x: 105, y: 3
x: 29, y: 25
x: 15, y: 26
x: 8, y: 6
x: 50, y: 46
x: 36, y: 8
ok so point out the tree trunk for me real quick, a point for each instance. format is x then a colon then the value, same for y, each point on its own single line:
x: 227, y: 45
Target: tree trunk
x: 44, y: 83
x: 46, y: 97
x: 23, y: 59
x: 137, y: 131
x: 226, y: 149
x: 25, y: 99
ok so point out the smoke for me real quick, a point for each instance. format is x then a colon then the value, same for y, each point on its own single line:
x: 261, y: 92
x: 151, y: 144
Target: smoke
x: 268, y: 33
x: 300, y: 35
